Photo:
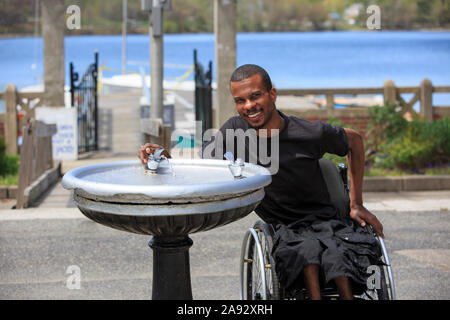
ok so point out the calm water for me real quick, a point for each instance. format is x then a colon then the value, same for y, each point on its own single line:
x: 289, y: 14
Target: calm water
x: 294, y: 60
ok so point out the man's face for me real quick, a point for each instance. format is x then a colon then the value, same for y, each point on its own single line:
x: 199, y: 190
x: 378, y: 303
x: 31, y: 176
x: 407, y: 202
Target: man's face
x: 253, y: 102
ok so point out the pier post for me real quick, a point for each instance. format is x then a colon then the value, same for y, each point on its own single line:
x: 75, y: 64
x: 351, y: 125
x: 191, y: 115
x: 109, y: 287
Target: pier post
x: 225, y: 51
x: 390, y: 92
x: 53, y: 41
x: 426, y: 100
x: 330, y: 104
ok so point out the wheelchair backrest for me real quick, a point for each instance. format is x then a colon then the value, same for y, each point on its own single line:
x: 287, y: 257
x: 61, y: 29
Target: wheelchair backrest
x: 338, y: 193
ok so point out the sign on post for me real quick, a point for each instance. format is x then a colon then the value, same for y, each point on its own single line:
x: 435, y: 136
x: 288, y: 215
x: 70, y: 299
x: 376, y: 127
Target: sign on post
x: 65, y: 141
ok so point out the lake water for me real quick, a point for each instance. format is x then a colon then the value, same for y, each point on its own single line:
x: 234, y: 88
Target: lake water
x: 294, y: 59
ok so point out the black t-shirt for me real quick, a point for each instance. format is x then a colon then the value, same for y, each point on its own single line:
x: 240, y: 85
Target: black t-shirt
x: 298, y: 190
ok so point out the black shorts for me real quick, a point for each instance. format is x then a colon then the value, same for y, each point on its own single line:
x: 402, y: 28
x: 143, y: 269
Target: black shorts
x: 342, y: 248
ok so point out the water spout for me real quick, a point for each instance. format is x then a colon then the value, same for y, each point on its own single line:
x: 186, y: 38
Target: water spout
x: 235, y: 167
x: 229, y: 156
x: 155, y: 159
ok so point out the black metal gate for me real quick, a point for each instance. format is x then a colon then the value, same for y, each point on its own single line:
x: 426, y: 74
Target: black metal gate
x: 203, y: 94
x: 84, y: 97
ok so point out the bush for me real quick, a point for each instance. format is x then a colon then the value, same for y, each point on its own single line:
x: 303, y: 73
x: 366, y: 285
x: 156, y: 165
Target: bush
x: 393, y: 143
x: 385, y: 123
x: 9, y: 164
x: 422, y: 144
x: 2, y: 146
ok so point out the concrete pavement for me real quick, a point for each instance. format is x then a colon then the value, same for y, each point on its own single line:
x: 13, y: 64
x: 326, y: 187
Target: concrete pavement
x: 38, y: 248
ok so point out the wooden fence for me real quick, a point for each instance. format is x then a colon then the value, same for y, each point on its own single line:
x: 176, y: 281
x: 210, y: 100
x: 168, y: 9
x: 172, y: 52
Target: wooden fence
x: 358, y: 116
x: 35, y: 157
x: 13, y: 121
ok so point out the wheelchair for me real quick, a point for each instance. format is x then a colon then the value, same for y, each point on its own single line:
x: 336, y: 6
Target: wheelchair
x: 258, y: 278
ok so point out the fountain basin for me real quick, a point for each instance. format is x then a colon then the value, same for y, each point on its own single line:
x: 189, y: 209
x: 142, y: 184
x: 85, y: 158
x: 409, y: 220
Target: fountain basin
x: 184, y: 196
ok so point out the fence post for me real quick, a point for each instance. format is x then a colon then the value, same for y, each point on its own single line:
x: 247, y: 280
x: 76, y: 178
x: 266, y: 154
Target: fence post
x: 426, y: 100
x: 26, y: 164
x: 330, y: 104
x: 11, y: 119
x: 390, y: 92
x: 35, y: 158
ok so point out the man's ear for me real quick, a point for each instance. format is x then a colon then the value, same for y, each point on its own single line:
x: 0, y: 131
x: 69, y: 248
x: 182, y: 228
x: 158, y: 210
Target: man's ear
x: 273, y: 94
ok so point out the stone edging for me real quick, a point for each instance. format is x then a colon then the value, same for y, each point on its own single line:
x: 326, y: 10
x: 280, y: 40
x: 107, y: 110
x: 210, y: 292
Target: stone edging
x: 406, y: 183
x: 8, y: 192
x: 33, y: 192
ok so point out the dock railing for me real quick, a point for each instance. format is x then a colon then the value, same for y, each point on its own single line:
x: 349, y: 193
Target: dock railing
x: 392, y: 95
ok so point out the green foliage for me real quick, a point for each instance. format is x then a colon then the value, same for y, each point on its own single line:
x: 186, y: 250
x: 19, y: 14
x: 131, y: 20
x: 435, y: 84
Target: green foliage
x: 394, y: 143
x: 2, y: 146
x: 376, y: 171
x: 335, y: 121
x: 333, y: 157
x: 385, y: 123
x: 105, y: 17
x: 388, y: 119
x: 9, y: 180
x: 422, y: 145
x: 395, y: 146
x: 339, y: 123
x: 9, y: 164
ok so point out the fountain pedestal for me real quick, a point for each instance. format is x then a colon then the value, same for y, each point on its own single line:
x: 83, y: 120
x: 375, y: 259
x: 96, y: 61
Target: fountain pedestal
x: 171, y: 270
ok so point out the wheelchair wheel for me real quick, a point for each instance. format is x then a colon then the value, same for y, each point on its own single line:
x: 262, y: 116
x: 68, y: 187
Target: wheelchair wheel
x: 384, y: 288
x: 258, y: 277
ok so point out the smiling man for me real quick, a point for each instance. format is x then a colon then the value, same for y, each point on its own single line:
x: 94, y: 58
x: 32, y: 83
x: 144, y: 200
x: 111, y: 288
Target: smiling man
x: 310, y: 242
x: 255, y: 99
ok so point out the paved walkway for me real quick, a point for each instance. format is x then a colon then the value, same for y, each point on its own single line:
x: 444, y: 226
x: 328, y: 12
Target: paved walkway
x: 38, y: 248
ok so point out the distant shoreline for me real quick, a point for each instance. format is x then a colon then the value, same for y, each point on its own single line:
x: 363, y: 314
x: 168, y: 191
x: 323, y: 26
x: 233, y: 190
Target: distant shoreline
x: 31, y: 35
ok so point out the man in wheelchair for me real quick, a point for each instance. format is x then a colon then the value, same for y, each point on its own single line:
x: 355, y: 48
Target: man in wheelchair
x: 311, y: 245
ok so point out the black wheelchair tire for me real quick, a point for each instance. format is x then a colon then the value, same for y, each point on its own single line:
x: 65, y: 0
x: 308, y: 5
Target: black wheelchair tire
x: 272, y: 284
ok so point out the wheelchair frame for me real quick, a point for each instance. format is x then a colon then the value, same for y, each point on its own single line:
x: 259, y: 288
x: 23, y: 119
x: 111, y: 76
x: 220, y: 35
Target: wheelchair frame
x: 257, y: 247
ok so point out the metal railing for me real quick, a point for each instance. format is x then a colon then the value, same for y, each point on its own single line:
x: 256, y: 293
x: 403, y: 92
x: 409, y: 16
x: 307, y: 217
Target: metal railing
x: 203, y: 94
x: 84, y: 97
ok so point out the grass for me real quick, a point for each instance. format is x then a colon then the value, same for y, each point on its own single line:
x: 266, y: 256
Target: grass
x: 381, y: 172
x: 9, y: 180
x: 377, y: 172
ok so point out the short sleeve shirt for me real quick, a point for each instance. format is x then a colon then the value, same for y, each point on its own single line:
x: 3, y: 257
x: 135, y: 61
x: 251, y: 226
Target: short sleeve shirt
x: 298, y: 190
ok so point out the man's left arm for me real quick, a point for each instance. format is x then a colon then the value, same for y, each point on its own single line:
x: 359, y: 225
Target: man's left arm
x: 356, y: 163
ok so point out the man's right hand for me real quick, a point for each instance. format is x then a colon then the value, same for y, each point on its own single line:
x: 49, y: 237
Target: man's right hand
x: 147, y: 149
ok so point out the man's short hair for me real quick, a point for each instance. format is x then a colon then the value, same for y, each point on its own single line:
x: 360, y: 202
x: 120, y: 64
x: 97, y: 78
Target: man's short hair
x: 247, y: 70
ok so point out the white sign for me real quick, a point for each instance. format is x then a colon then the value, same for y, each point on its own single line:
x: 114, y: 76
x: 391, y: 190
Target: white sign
x: 65, y: 141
